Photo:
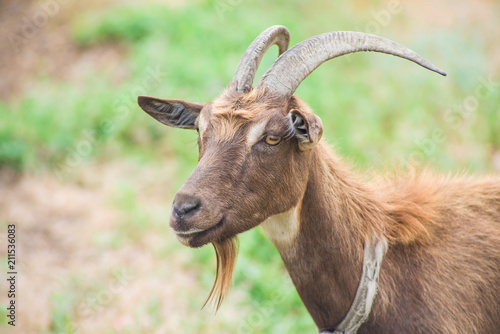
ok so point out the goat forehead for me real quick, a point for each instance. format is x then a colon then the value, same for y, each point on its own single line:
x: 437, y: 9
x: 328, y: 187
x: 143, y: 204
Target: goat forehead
x: 231, y: 121
x: 228, y: 126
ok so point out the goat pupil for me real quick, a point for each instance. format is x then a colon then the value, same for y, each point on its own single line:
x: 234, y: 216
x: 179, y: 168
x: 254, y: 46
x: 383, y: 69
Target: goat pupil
x: 273, y: 140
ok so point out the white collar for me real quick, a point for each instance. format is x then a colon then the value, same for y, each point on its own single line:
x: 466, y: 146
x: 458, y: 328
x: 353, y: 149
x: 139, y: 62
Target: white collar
x: 367, y: 289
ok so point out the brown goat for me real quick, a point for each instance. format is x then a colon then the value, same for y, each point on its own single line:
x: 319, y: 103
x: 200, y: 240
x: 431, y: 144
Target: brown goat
x: 262, y: 162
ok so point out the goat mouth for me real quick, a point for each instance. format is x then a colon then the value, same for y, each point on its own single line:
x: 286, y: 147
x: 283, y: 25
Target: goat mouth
x: 196, y: 237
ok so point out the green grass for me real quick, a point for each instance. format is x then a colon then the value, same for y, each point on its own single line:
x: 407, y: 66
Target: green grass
x: 62, y: 304
x: 376, y: 110
x: 193, y: 59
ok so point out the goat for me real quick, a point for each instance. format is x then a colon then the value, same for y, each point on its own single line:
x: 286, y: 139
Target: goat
x: 412, y: 254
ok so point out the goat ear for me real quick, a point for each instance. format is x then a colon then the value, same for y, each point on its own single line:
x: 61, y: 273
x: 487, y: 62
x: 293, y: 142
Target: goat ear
x: 308, y: 128
x: 176, y: 113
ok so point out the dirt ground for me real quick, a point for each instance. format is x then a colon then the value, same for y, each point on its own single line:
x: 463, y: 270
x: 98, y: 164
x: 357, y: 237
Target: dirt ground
x: 28, y: 49
x: 64, y: 269
x: 74, y: 259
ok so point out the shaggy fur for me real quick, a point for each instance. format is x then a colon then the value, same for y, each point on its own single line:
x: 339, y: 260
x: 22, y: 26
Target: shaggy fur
x: 442, y: 270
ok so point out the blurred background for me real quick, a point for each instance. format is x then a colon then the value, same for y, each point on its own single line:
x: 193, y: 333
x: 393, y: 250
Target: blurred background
x: 88, y: 178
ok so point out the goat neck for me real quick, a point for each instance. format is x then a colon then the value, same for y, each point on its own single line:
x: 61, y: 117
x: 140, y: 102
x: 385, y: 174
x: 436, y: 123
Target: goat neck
x: 323, y: 250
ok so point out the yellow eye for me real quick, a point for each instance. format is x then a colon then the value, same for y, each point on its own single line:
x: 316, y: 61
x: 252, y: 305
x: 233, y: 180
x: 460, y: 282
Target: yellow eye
x: 273, y: 140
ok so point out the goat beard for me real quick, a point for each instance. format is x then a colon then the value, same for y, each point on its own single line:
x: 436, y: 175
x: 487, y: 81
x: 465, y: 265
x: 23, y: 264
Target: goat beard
x: 226, y: 252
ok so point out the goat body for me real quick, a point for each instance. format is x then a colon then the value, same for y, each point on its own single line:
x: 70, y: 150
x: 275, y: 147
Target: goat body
x: 262, y: 162
x: 441, y: 273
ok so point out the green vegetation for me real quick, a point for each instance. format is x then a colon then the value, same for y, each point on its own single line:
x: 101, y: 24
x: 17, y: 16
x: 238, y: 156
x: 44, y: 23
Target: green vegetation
x: 376, y: 111
x: 191, y: 52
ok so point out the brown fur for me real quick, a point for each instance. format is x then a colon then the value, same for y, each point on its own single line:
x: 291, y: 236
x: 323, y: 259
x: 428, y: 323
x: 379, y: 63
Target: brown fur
x: 441, y: 273
x: 233, y: 110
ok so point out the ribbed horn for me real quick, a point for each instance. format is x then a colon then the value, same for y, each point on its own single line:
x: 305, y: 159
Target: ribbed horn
x: 286, y: 74
x: 250, y: 61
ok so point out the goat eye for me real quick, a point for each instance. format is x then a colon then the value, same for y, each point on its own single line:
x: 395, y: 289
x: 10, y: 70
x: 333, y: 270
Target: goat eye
x: 273, y: 140
x: 198, y: 130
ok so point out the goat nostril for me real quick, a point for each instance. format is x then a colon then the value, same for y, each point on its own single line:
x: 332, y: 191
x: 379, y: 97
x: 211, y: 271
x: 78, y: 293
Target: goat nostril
x: 187, y: 207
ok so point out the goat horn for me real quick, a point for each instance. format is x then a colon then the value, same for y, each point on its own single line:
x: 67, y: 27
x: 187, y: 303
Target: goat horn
x: 285, y: 75
x: 250, y: 61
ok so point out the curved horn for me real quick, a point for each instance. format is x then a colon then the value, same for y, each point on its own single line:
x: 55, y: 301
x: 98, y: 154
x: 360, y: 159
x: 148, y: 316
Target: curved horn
x: 285, y: 75
x: 250, y: 61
